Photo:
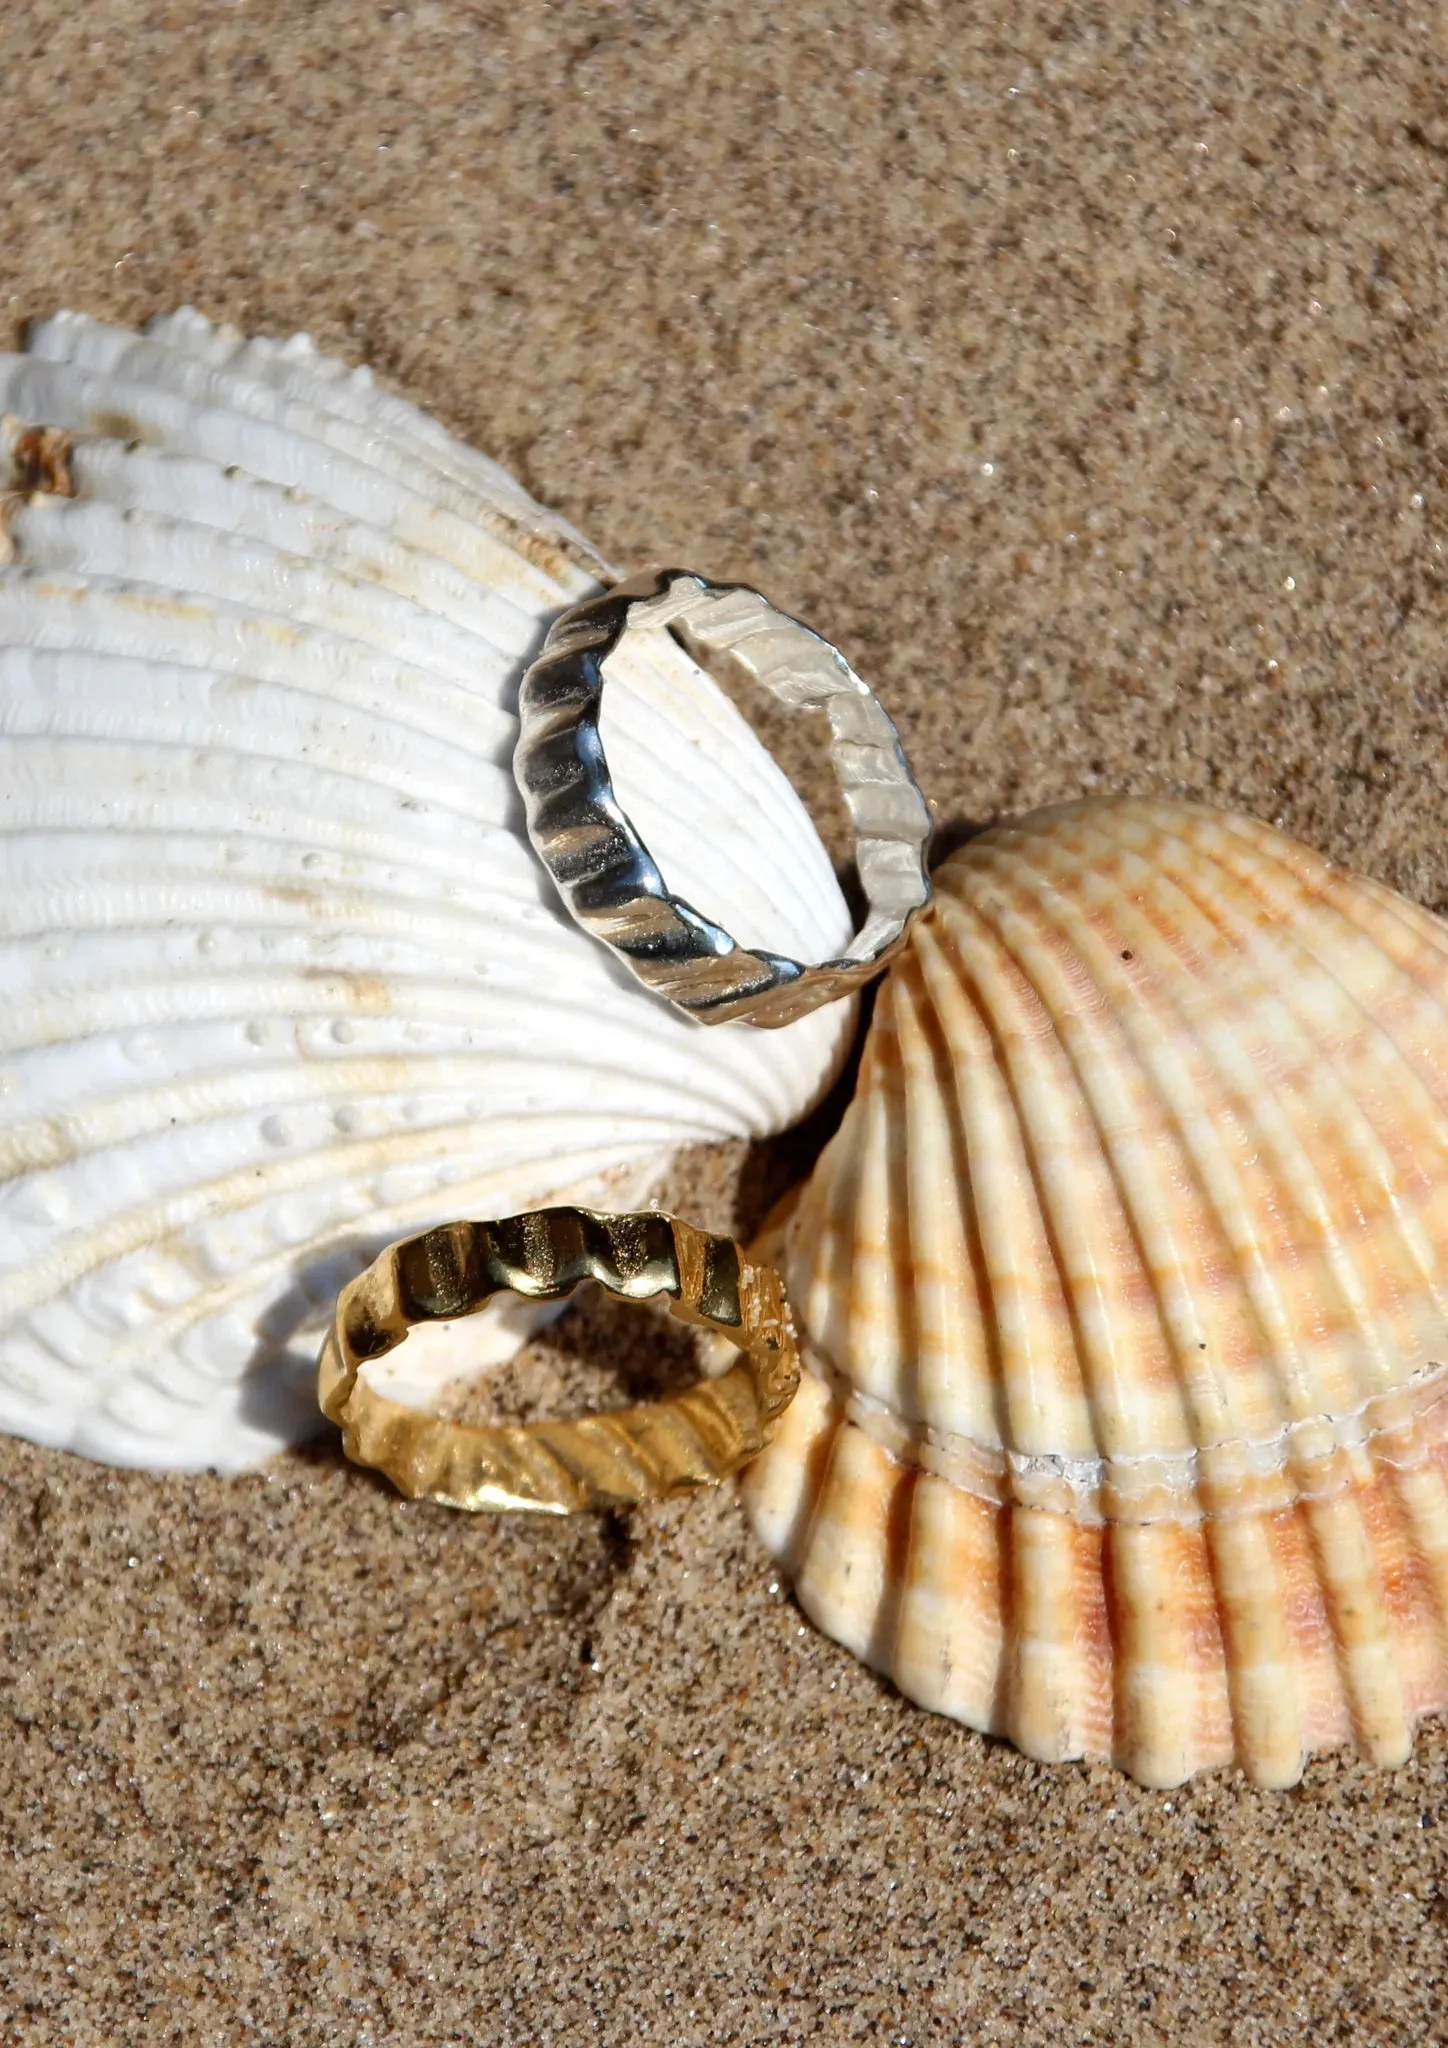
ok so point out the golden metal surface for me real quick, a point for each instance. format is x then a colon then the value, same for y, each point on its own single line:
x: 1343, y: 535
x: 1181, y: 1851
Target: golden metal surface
x: 691, y: 1439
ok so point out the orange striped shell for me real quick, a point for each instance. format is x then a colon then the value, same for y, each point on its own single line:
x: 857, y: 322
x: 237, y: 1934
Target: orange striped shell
x: 1125, y: 1290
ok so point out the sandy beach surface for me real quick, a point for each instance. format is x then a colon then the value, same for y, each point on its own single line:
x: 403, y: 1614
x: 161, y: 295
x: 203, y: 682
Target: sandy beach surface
x: 1080, y: 370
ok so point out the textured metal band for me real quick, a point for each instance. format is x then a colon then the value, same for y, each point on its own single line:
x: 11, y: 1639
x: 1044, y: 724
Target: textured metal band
x: 691, y: 1439
x: 602, y: 867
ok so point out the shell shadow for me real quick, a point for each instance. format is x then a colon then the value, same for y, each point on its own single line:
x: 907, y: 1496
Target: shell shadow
x: 951, y: 834
x: 279, y: 1384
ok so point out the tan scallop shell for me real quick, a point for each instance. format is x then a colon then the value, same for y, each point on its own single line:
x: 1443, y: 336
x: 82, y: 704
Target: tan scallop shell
x: 1125, y: 1290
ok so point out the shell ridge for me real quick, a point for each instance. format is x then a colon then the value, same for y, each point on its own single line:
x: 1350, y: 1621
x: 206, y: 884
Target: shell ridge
x: 1038, y: 895
x: 1416, y: 924
x: 212, y: 386
x: 1325, y: 1066
x: 1348, y: 1572
x: 1056, y: 1675
x: 294, y: 521
x: 962, y: 934
x: 355, y: 398
x: 821, y: 1217
x: 149, y: 895
x: 65, y: 1137
x: 1146, y: 1021
x: 294, y: 364
x: 228, y: 996
x: 267, y: 814
x: 1002, y: 1581
x: 662, y: 679
x: 167, y: 627
x: 1040, y: 1400
x: 1414, y: 1580
x: 1338, y: 899
x: 1293, y: 1155
x: 1336, y: 884
x: 1168, y: 1675
x: 1229, y: 1070
x: 65, y: 750
x: 903, y: 1218
x: 267, y: 728
x: 1419, y: 1500
x: 1099, y: 1342
x: 837, y: 1573
x: 873, y: 1297
x: 517, y: 890
x: 273, y: 914
x: 31, y: 1377
x: 57, y: 394
x: 983, y: 1337
x: 636, y: 708
x: 780, y: 1488
x: 155, y: 861
x: 91, y: 540
x: 1263, y: 1688
x: 346, y: 781
x: 882, y: 1648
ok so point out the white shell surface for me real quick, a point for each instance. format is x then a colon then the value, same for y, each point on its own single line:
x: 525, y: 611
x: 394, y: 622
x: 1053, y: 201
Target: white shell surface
x: 282, y: 979
x: 1124, y: 1287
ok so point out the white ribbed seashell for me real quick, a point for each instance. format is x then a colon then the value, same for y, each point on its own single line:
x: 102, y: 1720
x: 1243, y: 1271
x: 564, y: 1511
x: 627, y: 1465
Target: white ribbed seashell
x: 1125, y: 1292
x: 282, y: 979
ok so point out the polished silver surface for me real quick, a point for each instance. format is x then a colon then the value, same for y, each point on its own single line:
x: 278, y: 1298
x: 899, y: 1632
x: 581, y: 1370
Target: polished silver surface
x: 603, y: 870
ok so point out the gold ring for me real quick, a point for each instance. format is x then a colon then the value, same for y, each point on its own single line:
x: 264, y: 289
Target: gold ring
x: 695, y: 1438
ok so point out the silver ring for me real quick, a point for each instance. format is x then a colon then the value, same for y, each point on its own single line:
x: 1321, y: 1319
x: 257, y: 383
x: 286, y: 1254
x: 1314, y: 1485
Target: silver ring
x: 603, y: 870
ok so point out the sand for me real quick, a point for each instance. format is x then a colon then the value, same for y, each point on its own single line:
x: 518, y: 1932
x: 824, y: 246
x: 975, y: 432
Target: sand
x: 1080, y: 371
